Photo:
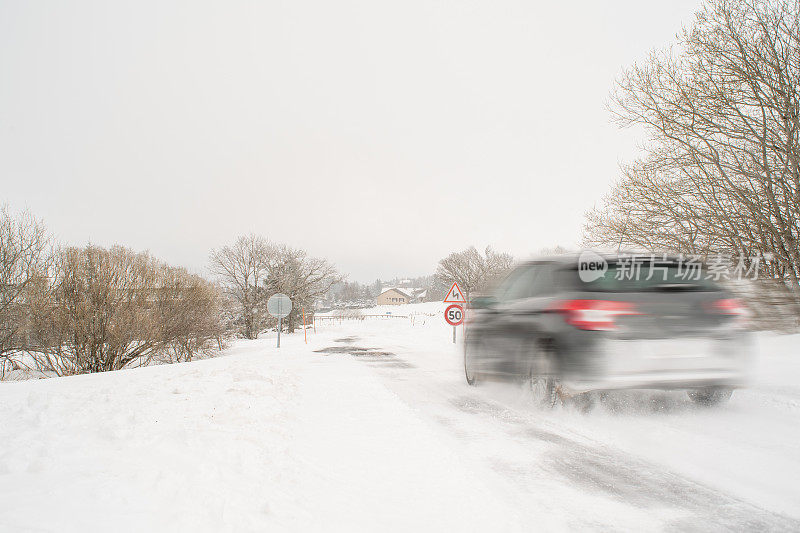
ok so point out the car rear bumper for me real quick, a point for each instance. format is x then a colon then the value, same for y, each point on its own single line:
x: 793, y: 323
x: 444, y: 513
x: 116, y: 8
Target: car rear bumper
x: 681, y: 363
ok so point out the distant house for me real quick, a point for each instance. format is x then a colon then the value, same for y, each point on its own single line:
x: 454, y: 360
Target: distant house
x: 393, y: 296
x: 401, y: 295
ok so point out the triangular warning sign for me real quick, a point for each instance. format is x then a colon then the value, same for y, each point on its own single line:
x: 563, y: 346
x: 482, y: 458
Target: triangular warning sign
x: 455, y: 296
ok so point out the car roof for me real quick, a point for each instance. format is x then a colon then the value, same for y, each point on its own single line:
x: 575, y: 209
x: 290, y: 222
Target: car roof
x: 571, y: 258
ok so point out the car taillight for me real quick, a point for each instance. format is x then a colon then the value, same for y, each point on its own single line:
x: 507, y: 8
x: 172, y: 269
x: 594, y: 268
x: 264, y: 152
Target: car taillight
x: 594, y: 315
x: 732, y: 307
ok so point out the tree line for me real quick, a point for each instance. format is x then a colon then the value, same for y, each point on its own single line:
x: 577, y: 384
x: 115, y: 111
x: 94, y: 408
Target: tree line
x: 720, y: 168
x: 72, y: 310
x: 356, y: 295
x: 80, y: 309
x: 253, y: 268
x: 474, y: 271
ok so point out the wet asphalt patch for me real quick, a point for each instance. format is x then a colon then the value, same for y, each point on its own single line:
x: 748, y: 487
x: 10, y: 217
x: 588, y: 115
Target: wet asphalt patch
x: 356, y: 351
x: 381, y: 359
x: 369, y: 355
x: 392, y: 363
x: 372, y: 355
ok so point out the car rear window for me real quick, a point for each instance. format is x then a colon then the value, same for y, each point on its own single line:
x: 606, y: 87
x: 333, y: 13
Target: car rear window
x: 648, y: 276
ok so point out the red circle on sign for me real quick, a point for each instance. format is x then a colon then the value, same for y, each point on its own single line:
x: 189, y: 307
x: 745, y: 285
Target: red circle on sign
x: 454, y: 314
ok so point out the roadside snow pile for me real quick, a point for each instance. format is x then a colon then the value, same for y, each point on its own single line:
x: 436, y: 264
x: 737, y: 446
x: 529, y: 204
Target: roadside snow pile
x: 256, y: 440
x: 370, y: 426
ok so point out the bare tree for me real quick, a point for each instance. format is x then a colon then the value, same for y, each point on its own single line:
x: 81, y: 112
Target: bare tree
x: 242, y: 269
x: 304, y: 279
x: 472, y: 270
x: 721, y: 170
x: 24, y: 247
x: 106, y: 309
x: 189, y: 312
x: 253, y: 269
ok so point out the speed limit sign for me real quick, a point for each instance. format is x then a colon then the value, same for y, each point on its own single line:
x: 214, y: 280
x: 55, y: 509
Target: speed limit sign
x: 454, y: 314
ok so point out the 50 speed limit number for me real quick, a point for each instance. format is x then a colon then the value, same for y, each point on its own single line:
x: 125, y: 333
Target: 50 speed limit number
x: 454, y: 315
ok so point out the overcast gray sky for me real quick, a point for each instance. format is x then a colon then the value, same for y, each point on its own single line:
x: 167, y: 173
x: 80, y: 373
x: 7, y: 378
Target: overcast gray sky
x: 380, y: 135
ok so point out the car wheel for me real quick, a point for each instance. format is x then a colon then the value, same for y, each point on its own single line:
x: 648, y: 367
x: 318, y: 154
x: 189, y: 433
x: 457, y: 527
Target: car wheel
x: 586, y: 401
x: 541, y: 378
x: 469, y: 364
x: 710, y: 396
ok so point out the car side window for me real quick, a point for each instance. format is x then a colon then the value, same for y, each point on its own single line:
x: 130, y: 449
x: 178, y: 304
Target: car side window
x: 543, y: 283
x: 519, y: 284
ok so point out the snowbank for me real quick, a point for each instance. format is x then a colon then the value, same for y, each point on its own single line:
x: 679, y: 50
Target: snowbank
x: 371, y: 426
x: 258, y: 439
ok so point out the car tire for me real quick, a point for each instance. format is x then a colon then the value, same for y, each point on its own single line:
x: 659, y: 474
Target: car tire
x: 541, y: 380
x: 712, y: 396
x: 585, y: 402
x: 469, y: 371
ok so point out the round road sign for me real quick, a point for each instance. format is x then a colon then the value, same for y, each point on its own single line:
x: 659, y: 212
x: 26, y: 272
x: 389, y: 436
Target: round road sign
x: 279, y: 305
x: 454, y: 314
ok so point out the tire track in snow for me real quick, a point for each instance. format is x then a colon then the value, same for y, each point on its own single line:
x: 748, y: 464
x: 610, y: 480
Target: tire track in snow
x: 596, y: 468
x: 633, y: 480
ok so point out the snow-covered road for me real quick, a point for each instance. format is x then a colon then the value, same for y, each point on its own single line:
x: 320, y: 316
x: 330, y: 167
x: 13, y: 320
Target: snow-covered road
x: 371, y: 425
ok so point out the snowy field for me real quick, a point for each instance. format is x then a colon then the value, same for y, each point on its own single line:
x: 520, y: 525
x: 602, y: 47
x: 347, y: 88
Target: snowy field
x: 371, y: 426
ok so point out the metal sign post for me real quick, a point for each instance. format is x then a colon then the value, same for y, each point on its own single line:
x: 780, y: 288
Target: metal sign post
x: 305, y: 333
x: 279, y: 305
x: 454, y: 314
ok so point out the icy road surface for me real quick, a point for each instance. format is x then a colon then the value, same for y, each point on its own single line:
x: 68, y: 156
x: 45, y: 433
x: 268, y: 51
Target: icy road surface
x: 371, y: 426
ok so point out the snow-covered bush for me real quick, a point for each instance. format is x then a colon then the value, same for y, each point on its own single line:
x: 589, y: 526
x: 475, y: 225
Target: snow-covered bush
x: 106, y: 309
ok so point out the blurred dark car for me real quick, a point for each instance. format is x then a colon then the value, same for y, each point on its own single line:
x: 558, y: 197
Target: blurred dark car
x: 572, y: 325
